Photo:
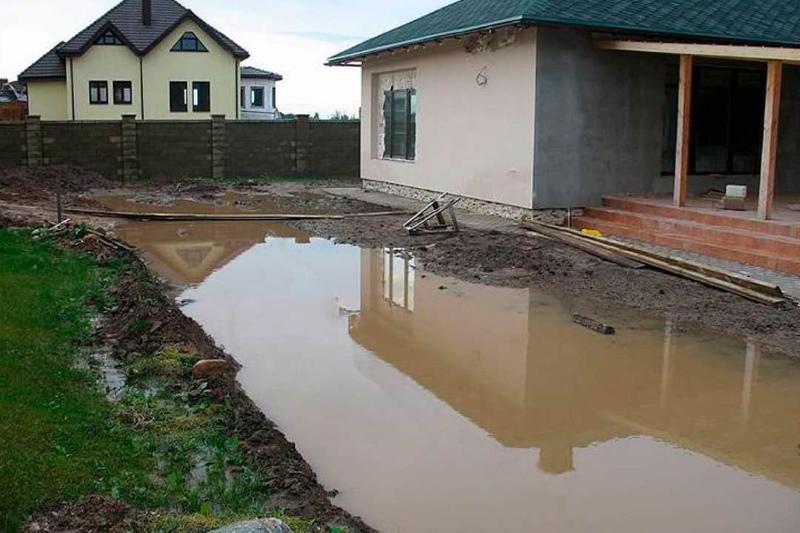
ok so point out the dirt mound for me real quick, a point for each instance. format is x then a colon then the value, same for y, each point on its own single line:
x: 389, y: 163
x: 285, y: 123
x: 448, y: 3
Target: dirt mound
x: 40, y: 184
x: 88, y: 515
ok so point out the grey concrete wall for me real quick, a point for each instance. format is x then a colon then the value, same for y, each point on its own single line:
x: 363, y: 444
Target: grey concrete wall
x: 788, y: 163
x: 598, y: 120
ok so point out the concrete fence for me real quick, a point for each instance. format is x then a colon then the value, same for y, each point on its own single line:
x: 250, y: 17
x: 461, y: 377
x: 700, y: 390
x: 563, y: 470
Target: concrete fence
x: 130, y: 149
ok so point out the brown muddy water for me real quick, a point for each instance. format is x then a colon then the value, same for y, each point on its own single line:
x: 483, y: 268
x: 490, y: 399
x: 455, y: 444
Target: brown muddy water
x: 438, y: 405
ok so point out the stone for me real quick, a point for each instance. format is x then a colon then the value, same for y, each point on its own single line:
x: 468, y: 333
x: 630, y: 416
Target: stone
x: 263, y: 525
x: 212, y: 368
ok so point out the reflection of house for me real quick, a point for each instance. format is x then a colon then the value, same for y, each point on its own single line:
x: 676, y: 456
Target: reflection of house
x: 259, y: 97
x: 513, y: 362
x: 189, y: 252
x: 151, y: 58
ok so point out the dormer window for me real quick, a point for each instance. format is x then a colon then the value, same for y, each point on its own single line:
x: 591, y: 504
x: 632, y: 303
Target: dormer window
x: 189, y: 43
x: 109, y: 37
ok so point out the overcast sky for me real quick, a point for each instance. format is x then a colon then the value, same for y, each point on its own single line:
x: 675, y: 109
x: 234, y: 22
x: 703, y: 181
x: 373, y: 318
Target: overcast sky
x: 291, y: 37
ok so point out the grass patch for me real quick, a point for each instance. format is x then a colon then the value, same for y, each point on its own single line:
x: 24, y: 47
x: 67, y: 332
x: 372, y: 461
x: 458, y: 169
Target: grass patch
x: 161, y: 446
x: 60, y: 439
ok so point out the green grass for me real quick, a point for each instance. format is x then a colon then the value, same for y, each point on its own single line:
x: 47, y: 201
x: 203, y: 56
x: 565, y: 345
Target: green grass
x: 59, y: 436
x: 160, y: 447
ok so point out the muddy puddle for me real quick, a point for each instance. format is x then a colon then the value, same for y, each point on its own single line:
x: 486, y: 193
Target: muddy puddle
x: 438, y: 405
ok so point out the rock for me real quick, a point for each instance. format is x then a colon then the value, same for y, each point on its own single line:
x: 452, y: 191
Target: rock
x: 212, y: 368
x: 594, y: 325
x: 263, y: 525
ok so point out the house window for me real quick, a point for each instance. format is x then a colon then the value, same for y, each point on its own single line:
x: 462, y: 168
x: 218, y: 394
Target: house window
x: 241, y: 97
x: 274, y: 98
x: 189, y: 43
x: 256, y: 97
x: 98, y: 92
x: 400, y: 114
x: 178, y: 102
x: 123, y: 92
x: 201, y: 96
x: 109, y: 38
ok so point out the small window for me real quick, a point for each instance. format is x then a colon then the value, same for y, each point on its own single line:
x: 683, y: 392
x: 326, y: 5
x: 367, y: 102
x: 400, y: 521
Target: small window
x: 98, y: 92
x: 189, y: 43
x: 123, y: 92
x: 274, y: 98
x: 241, y: 97
x: 201, y: 96
x: 400, y: 114
x: 108, y: 38
x: 178, y: 102
x: 256, y: 97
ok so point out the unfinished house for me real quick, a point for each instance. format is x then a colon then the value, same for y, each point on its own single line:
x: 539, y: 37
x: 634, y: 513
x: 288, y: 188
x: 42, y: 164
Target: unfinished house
x: 651, y: 115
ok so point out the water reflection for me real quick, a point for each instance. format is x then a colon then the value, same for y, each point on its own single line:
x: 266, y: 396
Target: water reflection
x: 472, y: 408
x: 188, y: 252
x: 516, y: 366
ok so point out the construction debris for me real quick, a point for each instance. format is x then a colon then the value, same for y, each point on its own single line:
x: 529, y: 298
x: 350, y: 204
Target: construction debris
x: 423, y: 221
x: 756, y: 290
x: 594, y: 325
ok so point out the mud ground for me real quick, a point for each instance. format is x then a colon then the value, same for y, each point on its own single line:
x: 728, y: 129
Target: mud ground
x: 587, y: 285
x: 140, y: 298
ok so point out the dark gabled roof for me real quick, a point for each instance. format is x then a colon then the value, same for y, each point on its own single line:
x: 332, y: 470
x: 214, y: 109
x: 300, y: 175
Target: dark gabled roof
x: 257, y: 73
x: 49, y: 65
x: 125, y: 19
x: 769, y: 22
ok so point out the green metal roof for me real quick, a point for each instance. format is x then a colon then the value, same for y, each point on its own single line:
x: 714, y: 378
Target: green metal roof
x: 771, y: 22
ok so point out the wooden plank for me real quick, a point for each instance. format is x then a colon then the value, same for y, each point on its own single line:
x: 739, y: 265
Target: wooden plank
x: 751, y: 289
x: 591, y: 248
x: 757, y: 53
x: 221, y: 217
x: 684, y: 131
x: 733, y: 277
x: 769, y: 151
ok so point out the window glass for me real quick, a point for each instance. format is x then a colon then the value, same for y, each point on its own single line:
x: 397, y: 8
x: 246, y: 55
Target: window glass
x: 256, y: 97
x: 98, y: 92
x: 123, y: 92
x: 177, y: 96
x: 400, y: 115
x: 109, y: 38
x: 189, y: 43
x: 201, y: 96
x: 241, y: 98
x: 274, y: 98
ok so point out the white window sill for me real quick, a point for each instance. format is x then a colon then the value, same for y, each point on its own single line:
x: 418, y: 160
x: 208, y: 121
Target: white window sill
x: 396, y: 160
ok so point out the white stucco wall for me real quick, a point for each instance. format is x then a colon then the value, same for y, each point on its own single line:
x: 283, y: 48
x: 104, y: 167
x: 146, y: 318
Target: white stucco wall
x: 269, y: 111
x: 475, y: 141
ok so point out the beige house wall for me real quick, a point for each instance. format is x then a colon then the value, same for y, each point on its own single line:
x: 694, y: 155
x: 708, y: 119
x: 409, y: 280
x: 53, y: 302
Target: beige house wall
x: 459, y: 121
x: 48, y: 99
x: 150, y: 77
x: 109, y: 64
x: 218, y: 66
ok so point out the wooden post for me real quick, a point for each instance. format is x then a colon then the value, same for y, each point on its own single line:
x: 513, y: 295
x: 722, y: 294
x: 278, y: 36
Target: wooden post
x: 684, y: 131
x: 769, y: 150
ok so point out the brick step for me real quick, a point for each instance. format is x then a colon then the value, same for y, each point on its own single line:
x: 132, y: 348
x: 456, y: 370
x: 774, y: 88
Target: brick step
x: 769, y: 227
x: 690, y: 244
x: 721, y: 235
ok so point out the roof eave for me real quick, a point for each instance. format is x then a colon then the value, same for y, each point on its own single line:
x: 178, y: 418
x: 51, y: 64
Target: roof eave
x: 344, y: 59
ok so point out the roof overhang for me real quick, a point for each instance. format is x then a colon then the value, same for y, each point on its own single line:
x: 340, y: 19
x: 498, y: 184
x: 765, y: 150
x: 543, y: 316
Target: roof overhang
x: 354, y: 60
x: 717, y: 51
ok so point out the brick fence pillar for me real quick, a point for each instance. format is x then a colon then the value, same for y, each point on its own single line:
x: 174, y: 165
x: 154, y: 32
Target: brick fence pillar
x: 302, y: 145
x: 130, y: 149
x: 33, y: 141
x: 219, y: 146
